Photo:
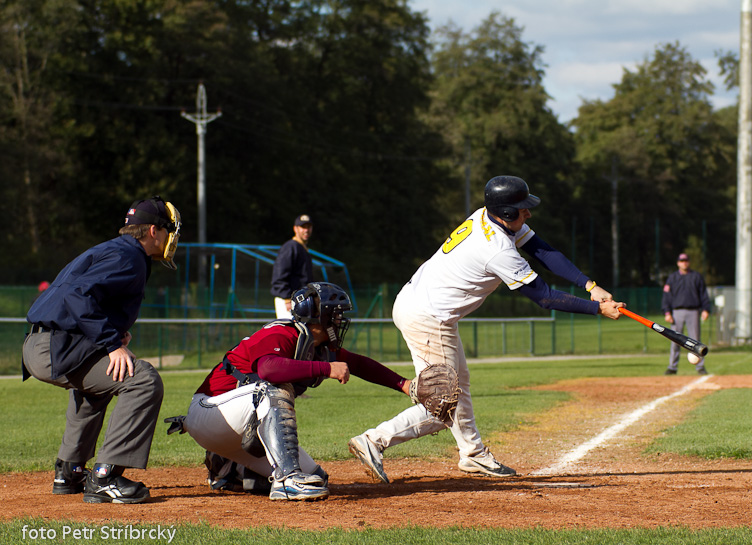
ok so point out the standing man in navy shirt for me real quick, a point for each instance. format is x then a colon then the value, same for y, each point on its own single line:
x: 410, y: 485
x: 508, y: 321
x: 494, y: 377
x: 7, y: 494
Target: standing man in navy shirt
x: 293, y: 268
x: 685, y: 302
x: 79, y: 341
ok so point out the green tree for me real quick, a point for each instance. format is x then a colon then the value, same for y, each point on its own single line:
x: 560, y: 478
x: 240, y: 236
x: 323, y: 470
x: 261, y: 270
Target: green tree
x: 489, y: 102
x: 329, y: 125
x: 673, y: 158
x: 320, y: 106
x: 34, y: 125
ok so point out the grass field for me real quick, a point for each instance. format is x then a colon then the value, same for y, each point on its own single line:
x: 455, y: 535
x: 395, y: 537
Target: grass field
x: 201, y: 535
x: 720, y: 427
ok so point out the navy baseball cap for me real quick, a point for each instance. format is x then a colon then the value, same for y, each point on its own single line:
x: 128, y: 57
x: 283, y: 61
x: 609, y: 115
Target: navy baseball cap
x: 683, y: 257
x: 302, y: 220
x: 148, y: 211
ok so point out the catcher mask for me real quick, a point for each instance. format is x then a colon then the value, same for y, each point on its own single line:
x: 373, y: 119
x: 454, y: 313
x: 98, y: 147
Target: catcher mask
x: 172, y: 239
x: 323, y: 303
x: 156, y: 211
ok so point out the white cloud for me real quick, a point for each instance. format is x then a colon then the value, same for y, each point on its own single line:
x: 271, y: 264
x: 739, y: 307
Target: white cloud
x: 588, y: 42
x: 668, y: 7
x: 587, y: 75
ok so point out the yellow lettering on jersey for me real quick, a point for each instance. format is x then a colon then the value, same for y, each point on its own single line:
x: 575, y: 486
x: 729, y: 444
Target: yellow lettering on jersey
x: 457, y: 236
x: 487, y: 227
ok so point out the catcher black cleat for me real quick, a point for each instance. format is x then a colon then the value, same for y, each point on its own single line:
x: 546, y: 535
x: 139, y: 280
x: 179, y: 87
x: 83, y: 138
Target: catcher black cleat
x: 69, y: 477
x: 107, y: 485
x: 485, y: 463
x: 370, y: 456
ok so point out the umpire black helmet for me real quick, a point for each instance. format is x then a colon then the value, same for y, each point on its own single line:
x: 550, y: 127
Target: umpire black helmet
x: 323, y: 303
x: 506, y: 195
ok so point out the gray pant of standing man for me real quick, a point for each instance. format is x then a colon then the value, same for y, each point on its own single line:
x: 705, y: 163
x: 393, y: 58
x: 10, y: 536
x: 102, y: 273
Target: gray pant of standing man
x: 691, y: 319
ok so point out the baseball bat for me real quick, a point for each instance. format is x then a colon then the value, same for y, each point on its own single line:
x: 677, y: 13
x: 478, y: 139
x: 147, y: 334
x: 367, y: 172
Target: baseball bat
x: 696, y: 347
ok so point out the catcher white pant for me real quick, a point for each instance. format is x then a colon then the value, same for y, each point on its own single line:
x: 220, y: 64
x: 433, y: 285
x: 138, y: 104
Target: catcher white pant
x: 217, y: 424
x: 430, y: 341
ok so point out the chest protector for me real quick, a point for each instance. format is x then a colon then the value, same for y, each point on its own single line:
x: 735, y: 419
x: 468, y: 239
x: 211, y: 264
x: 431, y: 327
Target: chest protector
x: 304, y: 350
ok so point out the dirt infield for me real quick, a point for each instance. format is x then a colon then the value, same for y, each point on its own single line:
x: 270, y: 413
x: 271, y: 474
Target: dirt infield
x: 614, y: 485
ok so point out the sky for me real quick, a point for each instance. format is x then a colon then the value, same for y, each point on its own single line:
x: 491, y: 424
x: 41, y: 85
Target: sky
x: 588, y: 43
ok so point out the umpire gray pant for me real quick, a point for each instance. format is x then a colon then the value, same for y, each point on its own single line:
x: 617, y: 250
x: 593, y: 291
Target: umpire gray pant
x: 130, y: 431
x: 691, y: 319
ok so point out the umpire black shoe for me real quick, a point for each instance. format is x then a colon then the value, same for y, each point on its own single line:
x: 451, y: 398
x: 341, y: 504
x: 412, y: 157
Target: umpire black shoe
x: 669, y: 372
x: 106, y: 484
x: 69, y: 477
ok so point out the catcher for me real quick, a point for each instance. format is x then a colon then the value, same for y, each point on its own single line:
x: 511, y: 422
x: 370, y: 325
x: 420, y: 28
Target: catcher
x: 244, y: 412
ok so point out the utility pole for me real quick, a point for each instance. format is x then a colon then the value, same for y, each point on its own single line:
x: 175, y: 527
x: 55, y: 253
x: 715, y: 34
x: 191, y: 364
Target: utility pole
x: 201, y: 119
x: 743, y: 330
x: 614, y: 179
x: 468, y: 161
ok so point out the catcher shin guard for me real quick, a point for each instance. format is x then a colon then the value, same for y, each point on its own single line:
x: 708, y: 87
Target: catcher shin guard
x: 250, y: 441
x: 278, y: 431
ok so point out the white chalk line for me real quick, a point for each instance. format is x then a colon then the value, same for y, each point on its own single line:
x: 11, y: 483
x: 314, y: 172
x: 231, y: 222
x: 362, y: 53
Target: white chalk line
x: 580, y: 452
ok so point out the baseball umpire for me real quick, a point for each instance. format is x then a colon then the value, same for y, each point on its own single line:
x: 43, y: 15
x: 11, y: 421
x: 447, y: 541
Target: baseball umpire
x: 79, y: 340
x: 474, y: 260
x: 685, y: 302
x: 245, y: 409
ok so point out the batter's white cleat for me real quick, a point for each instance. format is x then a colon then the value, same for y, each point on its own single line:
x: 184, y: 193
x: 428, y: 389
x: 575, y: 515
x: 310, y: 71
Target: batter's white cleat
x: 485, y: 463
x: 370, y: 456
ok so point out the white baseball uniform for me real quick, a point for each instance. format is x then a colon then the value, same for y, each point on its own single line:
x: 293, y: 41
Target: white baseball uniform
x: 476, y: 258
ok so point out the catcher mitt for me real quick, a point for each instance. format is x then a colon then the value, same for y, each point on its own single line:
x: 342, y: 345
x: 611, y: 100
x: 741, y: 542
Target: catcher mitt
x: 437, y: 389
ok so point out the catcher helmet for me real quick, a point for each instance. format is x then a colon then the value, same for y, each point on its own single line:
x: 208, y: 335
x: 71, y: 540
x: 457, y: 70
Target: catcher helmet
x: 323, y: 303
x: 506, y: 195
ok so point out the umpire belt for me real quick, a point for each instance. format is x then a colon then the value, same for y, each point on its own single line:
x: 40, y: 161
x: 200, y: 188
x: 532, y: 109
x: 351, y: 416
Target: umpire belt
x: 36, y: 328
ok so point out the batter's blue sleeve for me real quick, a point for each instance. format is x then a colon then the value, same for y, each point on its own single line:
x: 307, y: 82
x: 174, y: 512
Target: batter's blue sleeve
x: 553, y: 260
x: 542, y: 294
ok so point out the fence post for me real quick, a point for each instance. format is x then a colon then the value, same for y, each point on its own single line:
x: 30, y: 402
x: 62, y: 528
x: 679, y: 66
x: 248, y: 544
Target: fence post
x: 200, y: 336
x: 553, y: 332
x: 532, y: 337
x: 159, y: 342
x: 475, y: 339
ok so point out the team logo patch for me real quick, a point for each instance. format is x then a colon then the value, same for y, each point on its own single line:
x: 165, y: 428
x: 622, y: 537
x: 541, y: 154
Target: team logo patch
x: 523, y: 272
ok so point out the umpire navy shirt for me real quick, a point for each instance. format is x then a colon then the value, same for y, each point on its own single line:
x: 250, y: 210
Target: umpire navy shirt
x: 293, y: 269
x: 685, y: 291
x: 98, y: 294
